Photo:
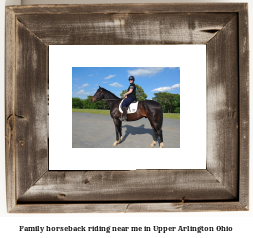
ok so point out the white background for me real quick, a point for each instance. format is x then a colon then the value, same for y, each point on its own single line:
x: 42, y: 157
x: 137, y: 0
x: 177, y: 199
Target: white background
x: 241, y: 221
x: 192, y: 62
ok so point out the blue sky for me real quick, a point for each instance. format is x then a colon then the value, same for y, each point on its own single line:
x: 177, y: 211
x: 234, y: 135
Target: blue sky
x: 85, y: 80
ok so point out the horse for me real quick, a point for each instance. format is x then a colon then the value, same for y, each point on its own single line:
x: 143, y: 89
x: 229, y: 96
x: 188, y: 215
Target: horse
x: 149, y: 109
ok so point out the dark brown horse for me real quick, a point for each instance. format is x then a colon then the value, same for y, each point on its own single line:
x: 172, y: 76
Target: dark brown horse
x: 148, y: 108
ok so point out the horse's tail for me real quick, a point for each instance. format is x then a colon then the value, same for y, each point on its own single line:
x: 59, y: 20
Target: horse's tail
x: 161, y: 116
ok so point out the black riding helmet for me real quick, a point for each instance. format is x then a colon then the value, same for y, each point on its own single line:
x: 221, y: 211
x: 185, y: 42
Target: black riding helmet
x: 131, y: 78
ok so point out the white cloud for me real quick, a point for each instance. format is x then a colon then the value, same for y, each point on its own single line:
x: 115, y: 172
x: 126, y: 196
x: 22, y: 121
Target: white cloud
x: 151, y: 71
x: 162, y: 89
x: 85, y: 85
x: 82, y: 92
x: 117, y: 85
x: 110, y: 76
x: 90, y: 75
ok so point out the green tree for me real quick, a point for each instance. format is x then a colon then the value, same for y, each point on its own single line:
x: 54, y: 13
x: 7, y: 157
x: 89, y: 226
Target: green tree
x: 167, y: 100
x: 77, y: 103
x: 176, y: 104
x: 102, y: 104
x: 177, y: 110
x: 140, y: 94
x: 87, y: 103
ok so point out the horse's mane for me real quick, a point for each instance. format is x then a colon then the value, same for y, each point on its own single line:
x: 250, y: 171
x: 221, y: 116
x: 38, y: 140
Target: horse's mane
x: 110, y: 93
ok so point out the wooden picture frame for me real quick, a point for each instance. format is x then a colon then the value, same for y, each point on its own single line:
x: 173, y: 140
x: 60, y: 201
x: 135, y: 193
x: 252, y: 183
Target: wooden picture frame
x: 222, y: 186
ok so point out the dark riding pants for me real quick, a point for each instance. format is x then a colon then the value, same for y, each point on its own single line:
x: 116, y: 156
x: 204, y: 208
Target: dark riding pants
x: 127, y: 101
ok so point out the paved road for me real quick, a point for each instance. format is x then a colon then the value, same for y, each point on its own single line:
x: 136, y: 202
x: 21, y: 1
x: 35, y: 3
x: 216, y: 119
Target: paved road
x: 98, y: 131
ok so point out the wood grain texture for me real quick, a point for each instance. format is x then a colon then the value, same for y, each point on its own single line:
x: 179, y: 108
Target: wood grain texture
x: 244, y: 106
x: 9, y: 108
x: 140, y: 185
x: 30, y: 108
x: 186, y: 207
x: 155, y: 8
x: 223, y: 107
x: 130, y: 29
x: 129, y: 207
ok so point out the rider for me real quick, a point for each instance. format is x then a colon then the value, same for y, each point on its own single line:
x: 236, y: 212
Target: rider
x: 129, y: 96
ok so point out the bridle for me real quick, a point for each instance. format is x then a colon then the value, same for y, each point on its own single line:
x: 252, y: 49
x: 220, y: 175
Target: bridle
x: 110, y: 99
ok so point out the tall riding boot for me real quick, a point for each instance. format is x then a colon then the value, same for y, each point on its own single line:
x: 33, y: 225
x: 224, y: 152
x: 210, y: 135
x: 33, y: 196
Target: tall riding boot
x: 124, y: 115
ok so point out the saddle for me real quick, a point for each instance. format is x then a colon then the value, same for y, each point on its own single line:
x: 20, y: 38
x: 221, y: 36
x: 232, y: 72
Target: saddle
x: 131, y: 108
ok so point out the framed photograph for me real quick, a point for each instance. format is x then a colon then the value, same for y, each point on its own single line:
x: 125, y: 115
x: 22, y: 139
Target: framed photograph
x: 94, y: 134
x: 49, y: 47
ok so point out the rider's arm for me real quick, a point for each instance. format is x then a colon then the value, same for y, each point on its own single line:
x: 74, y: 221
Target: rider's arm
x: 131, y: 90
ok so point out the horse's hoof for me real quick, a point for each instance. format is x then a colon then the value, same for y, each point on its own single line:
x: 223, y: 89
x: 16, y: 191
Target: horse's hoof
x: 152, y: 144
x: 161, y: 145
x: 115, y: 143
x: 121, y: 138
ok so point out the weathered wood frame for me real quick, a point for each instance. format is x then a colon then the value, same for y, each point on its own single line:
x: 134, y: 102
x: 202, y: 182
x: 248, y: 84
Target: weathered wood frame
x: 222, y: 186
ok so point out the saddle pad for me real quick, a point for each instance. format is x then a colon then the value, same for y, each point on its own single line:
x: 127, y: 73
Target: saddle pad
x: 132, y: 108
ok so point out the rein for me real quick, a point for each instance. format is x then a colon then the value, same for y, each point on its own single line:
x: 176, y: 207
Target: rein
x: 114, y: 99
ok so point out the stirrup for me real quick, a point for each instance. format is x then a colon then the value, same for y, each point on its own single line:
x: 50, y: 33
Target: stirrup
x: 124, y: 114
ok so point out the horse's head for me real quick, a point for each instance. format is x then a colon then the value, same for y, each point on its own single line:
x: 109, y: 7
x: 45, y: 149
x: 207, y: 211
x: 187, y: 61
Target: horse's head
x: 98, y: 95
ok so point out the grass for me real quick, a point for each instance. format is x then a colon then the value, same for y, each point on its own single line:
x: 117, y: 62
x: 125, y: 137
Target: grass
x: 107, y: 112
x: 94, y: 111
x: 171, y: 115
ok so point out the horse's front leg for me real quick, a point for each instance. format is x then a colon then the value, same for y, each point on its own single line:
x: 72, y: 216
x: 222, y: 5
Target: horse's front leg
x: 117, y: 124
x: 120, y: 130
